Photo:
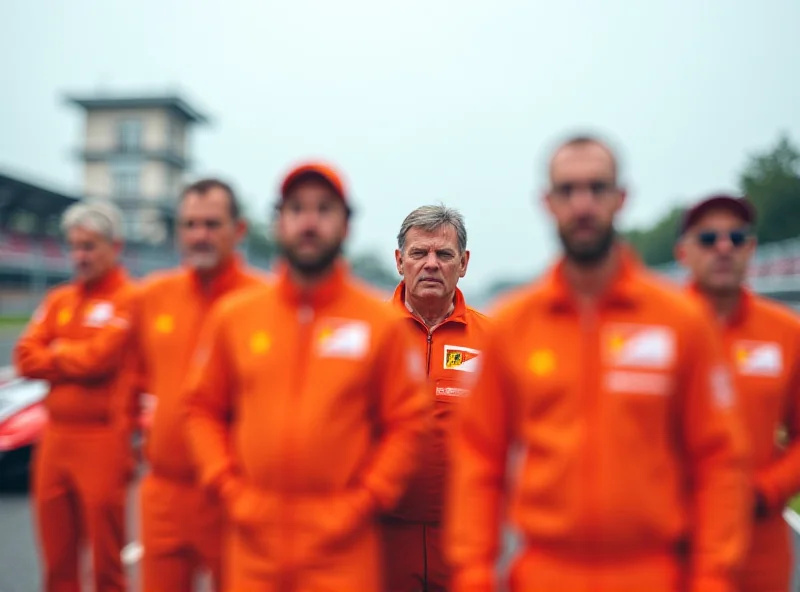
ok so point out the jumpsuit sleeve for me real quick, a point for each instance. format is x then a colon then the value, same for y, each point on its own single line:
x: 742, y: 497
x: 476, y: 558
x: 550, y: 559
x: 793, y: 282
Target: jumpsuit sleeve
x: 780, y: 480
x: 33, y: 357
x: 718, y: 456
x: 475, y: 491
x: 208, y: 403
x: 403, y: 410
x: 100, y: 354
x: 135, y: 363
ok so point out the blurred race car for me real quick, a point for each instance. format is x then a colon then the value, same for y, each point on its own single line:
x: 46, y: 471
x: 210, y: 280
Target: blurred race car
x: 23, y: 418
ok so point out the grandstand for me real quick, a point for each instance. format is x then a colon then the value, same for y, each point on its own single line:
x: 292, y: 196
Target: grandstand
x: 33, y: 255
x: 774, y: 271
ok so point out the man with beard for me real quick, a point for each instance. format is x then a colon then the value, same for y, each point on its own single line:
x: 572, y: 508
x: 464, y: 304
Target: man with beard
x: 762, y: 340
x: 77, y: 342
x: 633, y: 473
x: 431, y: 257
x: 182, y: 527
x: 306, y: 407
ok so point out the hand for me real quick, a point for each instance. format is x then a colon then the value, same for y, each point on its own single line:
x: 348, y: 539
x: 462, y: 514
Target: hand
x: 343, y: 517
x: 761, y: 507
x: 247, y: 505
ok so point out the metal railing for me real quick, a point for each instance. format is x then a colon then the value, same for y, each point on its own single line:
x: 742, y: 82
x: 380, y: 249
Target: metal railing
x: 42, y: 264
x: 775, y: 267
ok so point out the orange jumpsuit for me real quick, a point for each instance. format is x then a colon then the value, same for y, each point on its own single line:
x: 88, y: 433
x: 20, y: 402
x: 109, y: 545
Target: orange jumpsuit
x: 763, y: 342
x: 306, y: 414
x: 412, y: 537
x: 181, y: 525
x: 633, y: 474
x: 77, y: 342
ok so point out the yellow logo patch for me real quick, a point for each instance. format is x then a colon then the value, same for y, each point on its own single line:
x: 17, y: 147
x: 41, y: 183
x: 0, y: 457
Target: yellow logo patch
x: 616, y: 342
x: 165, y: 323
x: 542, y: 362
x: 259, y: 342
x: 454, y: 358
x: 741, y: 355
x: 325, y: 334
x: 64, y: 316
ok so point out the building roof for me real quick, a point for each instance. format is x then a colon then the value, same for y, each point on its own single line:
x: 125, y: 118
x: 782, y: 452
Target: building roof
x: 173, y: 102
x: 28, y: 195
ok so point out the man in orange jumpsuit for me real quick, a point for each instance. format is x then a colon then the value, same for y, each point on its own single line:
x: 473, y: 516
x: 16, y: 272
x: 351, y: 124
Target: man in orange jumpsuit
x: 762, y: 339
x: 307, y: 408
x: 181, y: 526
x: 431, y: 256
x: 633, y: 475
x: 76, y: 341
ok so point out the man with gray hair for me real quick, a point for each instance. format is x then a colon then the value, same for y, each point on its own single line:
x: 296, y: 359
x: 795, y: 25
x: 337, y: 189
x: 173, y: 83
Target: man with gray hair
x: 77, y: 342
x: 431, y: 257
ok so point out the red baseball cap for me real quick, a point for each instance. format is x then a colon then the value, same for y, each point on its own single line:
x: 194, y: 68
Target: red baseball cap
x: 740, y: 206
x: 315, y: 170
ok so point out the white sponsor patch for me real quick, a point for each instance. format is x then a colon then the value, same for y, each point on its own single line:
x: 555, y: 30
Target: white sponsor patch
x: 638, y: 383
x: 640, y: 346
x: 758, y: 358
x: 99, y: 314
x: 451, y: 391
x: 347, y: 339
x: 463, y: 359
x: 721, y: 385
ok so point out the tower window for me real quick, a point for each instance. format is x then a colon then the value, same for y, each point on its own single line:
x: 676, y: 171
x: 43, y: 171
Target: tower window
x: 126, y: 183
x: 130, y: 135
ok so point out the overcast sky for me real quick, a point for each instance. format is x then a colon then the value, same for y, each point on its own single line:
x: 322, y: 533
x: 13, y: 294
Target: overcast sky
x: 420, y: 101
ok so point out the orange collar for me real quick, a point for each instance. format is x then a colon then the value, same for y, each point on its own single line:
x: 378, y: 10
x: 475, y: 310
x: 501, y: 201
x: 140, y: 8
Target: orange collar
x: 459, y: 314
x: 221, y: 280
x: 322, y: 293
x: 105, y: 284
x: 623, y: 291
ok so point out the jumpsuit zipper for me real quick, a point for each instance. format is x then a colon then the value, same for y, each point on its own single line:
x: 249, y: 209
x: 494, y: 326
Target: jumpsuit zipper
x: 305, y: 318
x: 591, y: 390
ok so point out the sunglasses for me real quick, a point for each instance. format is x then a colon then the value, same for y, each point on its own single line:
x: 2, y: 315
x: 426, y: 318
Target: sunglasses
x: 709, y: 238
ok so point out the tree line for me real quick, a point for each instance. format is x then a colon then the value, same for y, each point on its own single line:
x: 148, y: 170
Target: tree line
x: 770, y: 179
x: 367, y: 265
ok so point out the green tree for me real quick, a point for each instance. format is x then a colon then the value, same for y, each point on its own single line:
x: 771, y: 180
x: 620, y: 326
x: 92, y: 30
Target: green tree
x: 655, y: 244
x: 772, y: 181
x: 260, y: 245
x: 374, y: 270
